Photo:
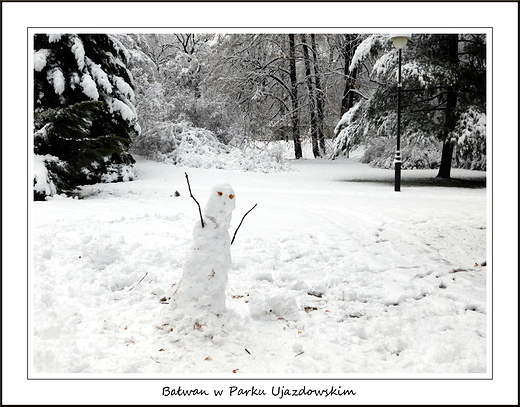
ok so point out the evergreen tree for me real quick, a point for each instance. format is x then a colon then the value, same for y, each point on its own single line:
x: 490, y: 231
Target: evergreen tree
x: 444, y: 102
x: 350, y: 42
x: 84, y: 114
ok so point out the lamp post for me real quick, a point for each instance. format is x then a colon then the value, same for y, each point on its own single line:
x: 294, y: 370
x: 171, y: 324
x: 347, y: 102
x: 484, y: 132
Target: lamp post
x: 399, y: 41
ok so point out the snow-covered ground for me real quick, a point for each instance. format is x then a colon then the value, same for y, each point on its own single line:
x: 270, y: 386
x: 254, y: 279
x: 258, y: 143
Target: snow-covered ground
x: 328, y: 276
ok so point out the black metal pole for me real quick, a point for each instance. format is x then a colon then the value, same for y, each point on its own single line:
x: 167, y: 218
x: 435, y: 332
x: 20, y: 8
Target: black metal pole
x: 397, y: 162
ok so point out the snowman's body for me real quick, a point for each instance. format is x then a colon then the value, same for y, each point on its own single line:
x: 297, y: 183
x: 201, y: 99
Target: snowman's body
x: 202, y: 286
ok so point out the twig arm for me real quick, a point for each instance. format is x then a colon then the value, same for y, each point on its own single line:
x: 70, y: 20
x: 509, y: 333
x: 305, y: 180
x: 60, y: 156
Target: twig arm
x: 240, y: 224
x: 189, y: 188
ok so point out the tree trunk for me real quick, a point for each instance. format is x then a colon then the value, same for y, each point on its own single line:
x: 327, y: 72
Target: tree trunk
x: 347, y: 101
x: 351, y: 94
x: 294, y: 100
x: 319, y: 96
x: 348, y: 98
x: 312, y: 98
x: 447, y: 153
x: 450, y: 117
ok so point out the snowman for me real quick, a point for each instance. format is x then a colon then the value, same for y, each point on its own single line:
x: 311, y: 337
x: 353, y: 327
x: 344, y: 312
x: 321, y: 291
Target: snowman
x: 201, y: 291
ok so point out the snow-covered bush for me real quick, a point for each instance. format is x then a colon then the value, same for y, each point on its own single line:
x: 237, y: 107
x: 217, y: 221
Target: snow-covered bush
x: 381, y: 153
x: 470, y: 138
x: 186, y: 145
x: 418, y: 149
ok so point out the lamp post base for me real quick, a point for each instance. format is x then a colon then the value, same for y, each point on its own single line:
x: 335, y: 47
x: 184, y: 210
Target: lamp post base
x: 397, y: 186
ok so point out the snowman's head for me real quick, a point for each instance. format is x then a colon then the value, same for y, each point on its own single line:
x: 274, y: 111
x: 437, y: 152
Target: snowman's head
x: 221, y: 202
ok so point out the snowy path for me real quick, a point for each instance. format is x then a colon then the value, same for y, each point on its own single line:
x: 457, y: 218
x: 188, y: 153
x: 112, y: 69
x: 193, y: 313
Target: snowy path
x: 328, y: 276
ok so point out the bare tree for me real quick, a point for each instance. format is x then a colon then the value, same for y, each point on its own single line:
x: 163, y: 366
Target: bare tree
x: 294, y: 99
x: 312, y: 97
x: 319, y: 96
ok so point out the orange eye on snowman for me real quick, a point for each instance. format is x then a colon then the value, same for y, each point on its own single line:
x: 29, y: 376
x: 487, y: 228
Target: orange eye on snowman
x: 231, y: 196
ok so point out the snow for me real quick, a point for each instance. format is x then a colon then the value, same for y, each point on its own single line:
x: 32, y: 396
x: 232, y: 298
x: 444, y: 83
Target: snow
x: 99, y: 75
x: 89, y: 87
x: 364, y: 48
x: 54, y: 37
x: 79, y: 52
x: 425, y: 74
x: 74, y: 80
x: 40, y: 59
x: 42, y: 182
x: 124, y: 88
x: 472, y: 124
x: 328, y: 275
x: 57, y: 79
x: 342, y: 141
x: 120, y: 48
x: 118, y: 172
x: 380, y: 67
x: 126, y: 112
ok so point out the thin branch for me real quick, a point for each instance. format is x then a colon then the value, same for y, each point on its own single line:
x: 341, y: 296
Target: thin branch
x: 358, y: 92
x: 189, y: 188
x: 131, y: 288
x: 284, y: 85
x: 240, y: 224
